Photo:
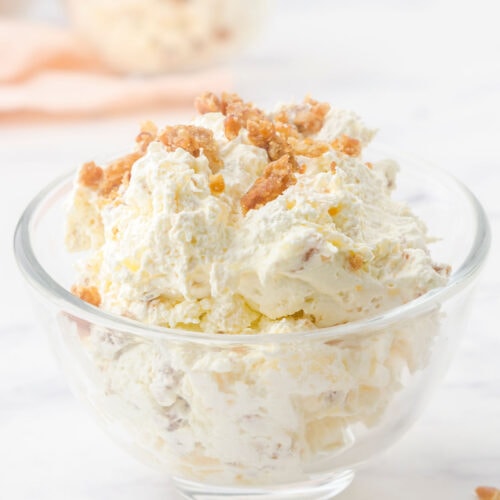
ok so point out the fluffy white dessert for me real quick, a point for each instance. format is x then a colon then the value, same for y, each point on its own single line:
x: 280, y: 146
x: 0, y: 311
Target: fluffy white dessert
x: 332, y: 248
x: 246, y: 222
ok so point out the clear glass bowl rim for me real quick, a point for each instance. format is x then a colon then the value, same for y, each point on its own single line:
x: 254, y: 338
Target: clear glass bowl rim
x: 43, y: 283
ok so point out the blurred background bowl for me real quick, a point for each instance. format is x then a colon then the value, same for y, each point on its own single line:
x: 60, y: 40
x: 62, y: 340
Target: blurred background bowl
x: 158, y: 36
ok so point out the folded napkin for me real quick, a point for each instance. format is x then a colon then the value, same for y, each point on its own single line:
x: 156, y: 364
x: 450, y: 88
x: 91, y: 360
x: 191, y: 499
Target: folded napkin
x: 49, y: 70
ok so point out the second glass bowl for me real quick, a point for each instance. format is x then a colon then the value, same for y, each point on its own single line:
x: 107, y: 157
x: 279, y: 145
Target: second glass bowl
x: 158, y: 36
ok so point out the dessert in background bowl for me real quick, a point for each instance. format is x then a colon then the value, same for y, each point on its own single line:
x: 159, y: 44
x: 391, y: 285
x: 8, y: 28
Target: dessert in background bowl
x: 255, y: 309
x: 158, y: 36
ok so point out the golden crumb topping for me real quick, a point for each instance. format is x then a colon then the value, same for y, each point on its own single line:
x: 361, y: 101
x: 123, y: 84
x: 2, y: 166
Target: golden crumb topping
x: 90, y: 175
x: 308, y: 117
x: 232, y: 127
x: 308, y: 147
x: 117, y: 173
x: 284, y: 135
x: 277, y: 177
x: 194, y: 140
x: 207, y: 102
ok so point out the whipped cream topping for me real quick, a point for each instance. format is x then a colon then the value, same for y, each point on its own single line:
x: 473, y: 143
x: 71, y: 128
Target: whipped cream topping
x: 332, y: 248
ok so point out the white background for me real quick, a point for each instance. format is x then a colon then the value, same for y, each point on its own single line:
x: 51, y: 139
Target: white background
x: 427, y: 73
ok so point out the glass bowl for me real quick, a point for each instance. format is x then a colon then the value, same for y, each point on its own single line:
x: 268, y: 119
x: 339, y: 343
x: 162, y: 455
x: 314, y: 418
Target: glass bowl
x: 270, y: 416
x: 152, y: 36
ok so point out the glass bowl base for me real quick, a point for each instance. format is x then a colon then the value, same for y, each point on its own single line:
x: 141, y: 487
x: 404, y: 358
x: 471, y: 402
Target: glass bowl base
x: 324, y: 487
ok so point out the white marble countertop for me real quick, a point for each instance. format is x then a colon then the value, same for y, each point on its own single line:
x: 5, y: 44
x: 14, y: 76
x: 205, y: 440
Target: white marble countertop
x: 429, y: 76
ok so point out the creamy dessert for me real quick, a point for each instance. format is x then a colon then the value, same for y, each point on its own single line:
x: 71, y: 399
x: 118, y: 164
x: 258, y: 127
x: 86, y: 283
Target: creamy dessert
x: 154, y: 36
x: 250, y: 222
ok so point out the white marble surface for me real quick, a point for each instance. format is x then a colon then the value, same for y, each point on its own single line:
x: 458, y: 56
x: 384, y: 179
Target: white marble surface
x: 428, y: 74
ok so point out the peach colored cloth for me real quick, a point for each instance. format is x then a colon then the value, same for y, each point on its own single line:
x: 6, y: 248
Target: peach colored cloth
x: 48, y: 70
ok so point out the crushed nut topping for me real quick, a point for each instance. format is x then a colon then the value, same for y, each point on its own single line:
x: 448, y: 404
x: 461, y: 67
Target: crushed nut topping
x: 194, y: 140
x: 216, y: 184
x: 347, y: 145
x: 309, y: 117
x: 308, y: 147
x: 207, y: 102
x: 277, y: 176
x: 263, y: 134
x: 284, y: 128
x: 89, y: 294
x: 284, y: 135
x: 233, y: 104
x: 232, y: 127
x: 90, y: 175
x: 487, y: 493
x: 117, y: 173
x: 148, y: 134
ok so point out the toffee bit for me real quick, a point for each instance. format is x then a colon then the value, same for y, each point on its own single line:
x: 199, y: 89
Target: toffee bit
x: 277, y: 177
x: 310, y: 117
x: 233, y: 104
x: 260, y: 133
x: 216, y: 184
x: 117, y: 173
x: 308, y: 147
x: 229, y: 100
x: 285, y: 129
x: 148, y: 134
x: 89, y: 294
x: 333, y: 167
x: 347, y: 145
x: 355, y: 261
x: 207, y: 102
x: 232, y: 127
x: 194, y: 140
x: 90, y: 175
x: 263, y: 134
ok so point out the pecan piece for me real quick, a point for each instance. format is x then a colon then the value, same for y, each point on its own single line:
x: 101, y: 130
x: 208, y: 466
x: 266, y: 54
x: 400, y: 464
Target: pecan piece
x: 117, y: 173
x: 90, y: 175
x: 262, y: 133
x: 232, y: 127
x: 310, y: 116
x: 194, y: 140
x: 277, y: 177
x: 207, y: 102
